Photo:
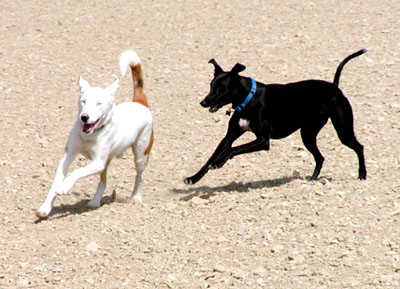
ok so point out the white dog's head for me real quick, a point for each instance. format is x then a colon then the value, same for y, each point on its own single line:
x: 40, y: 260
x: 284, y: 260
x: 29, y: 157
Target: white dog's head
x: 95, y: 103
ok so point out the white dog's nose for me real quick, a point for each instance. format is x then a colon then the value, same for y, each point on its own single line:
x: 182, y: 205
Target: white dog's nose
x: 84, y: 117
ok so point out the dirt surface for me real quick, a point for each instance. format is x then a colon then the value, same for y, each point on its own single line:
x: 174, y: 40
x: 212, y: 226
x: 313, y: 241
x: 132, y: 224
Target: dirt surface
x: 255, y: 223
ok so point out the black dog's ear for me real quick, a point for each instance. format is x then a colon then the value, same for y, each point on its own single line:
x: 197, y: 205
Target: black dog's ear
x: 217, y: 68
x: 238, y: 68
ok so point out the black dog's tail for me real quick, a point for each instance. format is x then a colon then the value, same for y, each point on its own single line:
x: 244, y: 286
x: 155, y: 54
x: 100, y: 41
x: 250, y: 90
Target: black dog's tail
x: 342, y: 64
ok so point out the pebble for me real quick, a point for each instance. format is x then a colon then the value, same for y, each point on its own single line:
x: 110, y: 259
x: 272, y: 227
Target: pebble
x: 199, y: 201
x: 276, y: 248
x: 261, y: 271
x: 221, y: 239
x: 296, y: 258
x: 92, y: 247
x: 219, y: 268
x: 324, y: 181
x: 238, y: 275
x: 90, y: 281
x: 172, y: 277
x: 23, y: 283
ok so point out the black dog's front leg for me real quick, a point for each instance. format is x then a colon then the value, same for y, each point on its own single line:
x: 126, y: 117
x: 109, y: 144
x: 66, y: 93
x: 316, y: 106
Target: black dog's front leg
x: 221, y: 153
x: 223, y: 149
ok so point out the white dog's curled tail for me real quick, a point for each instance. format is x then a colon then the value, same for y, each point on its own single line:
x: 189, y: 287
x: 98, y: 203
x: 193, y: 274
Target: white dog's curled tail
x: 130, y: 59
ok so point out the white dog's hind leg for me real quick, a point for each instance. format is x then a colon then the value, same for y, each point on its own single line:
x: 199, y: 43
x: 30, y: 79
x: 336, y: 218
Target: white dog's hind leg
x: 141, y: 151
x: 140, y: 162
x: 62, y: 169
x: 95, y: 201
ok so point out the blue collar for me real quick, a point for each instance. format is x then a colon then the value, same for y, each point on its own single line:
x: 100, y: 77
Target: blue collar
x: 248, y: 97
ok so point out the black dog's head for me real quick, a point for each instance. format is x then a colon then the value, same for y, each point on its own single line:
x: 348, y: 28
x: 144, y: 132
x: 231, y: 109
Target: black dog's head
x: 223, y: 88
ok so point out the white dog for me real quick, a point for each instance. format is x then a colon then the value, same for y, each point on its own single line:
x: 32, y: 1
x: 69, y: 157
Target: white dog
x: 103, y: 131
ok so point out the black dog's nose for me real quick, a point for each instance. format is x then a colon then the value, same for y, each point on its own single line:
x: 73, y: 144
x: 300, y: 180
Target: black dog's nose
x: 204, y: 103
x: 85, y: 117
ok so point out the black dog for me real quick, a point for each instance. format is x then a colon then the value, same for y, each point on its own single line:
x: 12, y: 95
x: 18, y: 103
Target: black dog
x: 276, y: 111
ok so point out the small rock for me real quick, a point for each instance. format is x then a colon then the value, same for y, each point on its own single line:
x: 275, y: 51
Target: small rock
x: 197, y: 274
x: 221, y: 239
x: 171, y: 207
x: 297, y: 258
x: 324, y: 181
x: 238, y: 275
x: 276, y: 248
x: 261, y: 271
x: 219, y: 268
x: 23, y: 283
x: 92, y: 247
x: 90, y: 281
x: 198, y: 201
x: 386, y: 278
x: 261, y: 281
x: 172, y: 277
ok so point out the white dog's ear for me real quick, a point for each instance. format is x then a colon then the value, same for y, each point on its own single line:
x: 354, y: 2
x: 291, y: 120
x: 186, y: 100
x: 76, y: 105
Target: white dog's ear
x: 83, y: 84
x: 112, y: 88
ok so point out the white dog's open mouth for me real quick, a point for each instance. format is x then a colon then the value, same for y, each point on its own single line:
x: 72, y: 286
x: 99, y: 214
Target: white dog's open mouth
x: 89, y: 127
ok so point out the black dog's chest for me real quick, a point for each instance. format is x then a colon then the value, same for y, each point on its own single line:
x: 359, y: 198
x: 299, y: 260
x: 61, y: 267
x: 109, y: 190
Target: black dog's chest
x: 277, y: 131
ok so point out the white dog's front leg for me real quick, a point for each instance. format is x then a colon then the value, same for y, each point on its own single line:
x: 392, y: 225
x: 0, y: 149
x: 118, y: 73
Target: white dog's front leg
x: 61, y: 171
x: 95, y: 201
x: 95, y: 167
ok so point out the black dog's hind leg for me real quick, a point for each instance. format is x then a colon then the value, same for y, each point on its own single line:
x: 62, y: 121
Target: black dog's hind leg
x: 261, y: 143
x: 221, y: 154
x: 309, y: 134
x: 342, y: 119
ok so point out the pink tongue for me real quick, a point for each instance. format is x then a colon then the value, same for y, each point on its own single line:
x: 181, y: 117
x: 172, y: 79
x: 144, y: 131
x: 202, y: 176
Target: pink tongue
x: 88, y: 127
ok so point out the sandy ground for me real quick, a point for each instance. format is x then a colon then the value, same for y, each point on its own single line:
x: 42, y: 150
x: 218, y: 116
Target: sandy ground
x: 255, y: 223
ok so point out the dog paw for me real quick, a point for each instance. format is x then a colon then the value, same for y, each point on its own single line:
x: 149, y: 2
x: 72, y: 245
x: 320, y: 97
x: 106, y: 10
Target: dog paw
x: 43, y: 212
x: 94, y: 204
x: 137, y: 199
x: 193, y: 179
x: 362, y: 174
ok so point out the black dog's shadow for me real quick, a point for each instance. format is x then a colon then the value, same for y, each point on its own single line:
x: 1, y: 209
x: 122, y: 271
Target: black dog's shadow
x: 78, y: 208
x: 207, y: 192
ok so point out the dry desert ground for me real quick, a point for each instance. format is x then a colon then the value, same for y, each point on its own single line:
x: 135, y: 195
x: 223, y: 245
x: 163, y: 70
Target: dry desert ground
x: 255, y: 223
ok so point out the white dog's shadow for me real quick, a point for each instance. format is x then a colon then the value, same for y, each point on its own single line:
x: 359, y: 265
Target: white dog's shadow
x: 80, y: 207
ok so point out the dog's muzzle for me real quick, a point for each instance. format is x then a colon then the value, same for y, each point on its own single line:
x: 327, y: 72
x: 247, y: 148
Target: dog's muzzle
x: 206, y: 104
x: 88, y: 128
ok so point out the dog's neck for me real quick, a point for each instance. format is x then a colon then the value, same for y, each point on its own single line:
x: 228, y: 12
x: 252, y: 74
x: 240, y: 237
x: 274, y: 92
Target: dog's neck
x: 107, y: 119
x: 246, y: 90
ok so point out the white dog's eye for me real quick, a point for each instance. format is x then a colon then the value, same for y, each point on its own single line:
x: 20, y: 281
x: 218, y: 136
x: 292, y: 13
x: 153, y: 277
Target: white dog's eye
x: 83, y: 101
x: 98, y: 103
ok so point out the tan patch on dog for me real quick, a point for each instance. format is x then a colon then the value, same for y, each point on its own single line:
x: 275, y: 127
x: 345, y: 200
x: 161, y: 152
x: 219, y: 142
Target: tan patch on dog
x: 140, y: 96
x: 138, y: 86
x: 147, y: 151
